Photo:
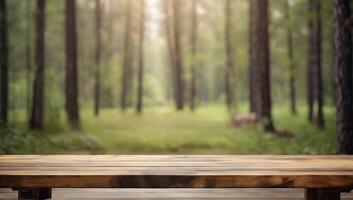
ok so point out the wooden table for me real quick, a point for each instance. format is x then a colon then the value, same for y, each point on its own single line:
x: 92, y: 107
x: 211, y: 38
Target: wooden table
x: 324, y: 177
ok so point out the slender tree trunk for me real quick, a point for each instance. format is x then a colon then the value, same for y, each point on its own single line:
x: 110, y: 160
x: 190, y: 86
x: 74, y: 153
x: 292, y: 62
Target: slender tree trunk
x: 311, y: 63
x: 72, y: 107
x: 252, y: 58
x: 170, y: 45
x: 4, y: 71
x: 178, y: 54
x: 343, y: 75
x: 28, y: 59
x: 131, y: 71
x: 127, y: 59
x: 262, y: 53
x: 229, y: 52
x: 332, y: 69
x: 315, y: 62
x: 310, y: 94
x: 141, y: 60
x: 194, y: 23
x: 97, y: 84
x: 320, y: 122
x: 37, y: 116
x: 292, y: 70
x: 110, y: 16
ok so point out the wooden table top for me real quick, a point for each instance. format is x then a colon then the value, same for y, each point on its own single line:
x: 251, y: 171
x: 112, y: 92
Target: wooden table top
x: 176, y: 171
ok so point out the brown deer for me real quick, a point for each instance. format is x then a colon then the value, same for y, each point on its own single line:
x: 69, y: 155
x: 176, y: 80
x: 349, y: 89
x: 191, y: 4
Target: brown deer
x: 242, y: 119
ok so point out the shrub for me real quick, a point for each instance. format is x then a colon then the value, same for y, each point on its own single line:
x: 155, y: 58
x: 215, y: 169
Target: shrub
x: 13, y: 141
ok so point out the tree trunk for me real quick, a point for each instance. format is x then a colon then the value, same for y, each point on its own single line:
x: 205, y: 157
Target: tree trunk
x: 343, y: 75
x: 130, y: 71
x: 72, y: 107
x: 170, y: 46
x: 97, y: 84
x: 262, y: 63
x: 179, y: 70
x: 252, y: 58
x: 127, y: 59
x: 292, y: 70
x: 4, y: 71
x: 37, y: 116
x: 194, y: 24
x: 315, y: 74
x: 320, y: 122
x: 141, y: 60
x: 229, y: 52
x: 110, y: 16
x: 28, y: 59
x: 311, y: 63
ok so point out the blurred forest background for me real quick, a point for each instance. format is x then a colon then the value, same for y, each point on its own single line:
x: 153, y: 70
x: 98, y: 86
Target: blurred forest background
x: 168, y: 76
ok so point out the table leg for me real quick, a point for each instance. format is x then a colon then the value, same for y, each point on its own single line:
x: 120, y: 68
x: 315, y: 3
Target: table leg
x: 322, y: 194
x: 34, y: 193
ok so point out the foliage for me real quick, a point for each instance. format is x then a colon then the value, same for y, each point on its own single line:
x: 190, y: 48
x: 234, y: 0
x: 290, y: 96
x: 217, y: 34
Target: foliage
x: 74, y: 143
x: 15, y: 141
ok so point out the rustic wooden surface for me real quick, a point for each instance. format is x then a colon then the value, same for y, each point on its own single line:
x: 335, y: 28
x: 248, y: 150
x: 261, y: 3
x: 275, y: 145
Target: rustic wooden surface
x: 176, y: 171
x: 174, y: 194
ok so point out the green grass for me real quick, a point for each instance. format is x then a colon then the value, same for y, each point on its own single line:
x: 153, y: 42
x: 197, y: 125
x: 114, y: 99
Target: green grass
x: 164, y: 131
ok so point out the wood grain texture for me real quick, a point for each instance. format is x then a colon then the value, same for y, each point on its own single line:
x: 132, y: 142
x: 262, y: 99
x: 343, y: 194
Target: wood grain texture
x: 176, y: 171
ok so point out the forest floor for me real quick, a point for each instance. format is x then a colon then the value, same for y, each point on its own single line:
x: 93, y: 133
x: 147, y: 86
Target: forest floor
x: 164, y: 131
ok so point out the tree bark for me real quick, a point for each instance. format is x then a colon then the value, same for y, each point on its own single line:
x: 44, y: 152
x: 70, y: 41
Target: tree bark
x: 127, y: 59
x: 262, y: 63
x: 141, y: 67
x: 229, y: 53
x: 252, y: 58
x: 292, y: 70
x: 179, y: 70
x: 37, y: 116
x: 28, y: 59
x: 97, y: 84
x: 4, y: 71
x: 194, y: 24
x: 343, y: 75
x: 315, y: 90
x: 72, y: 107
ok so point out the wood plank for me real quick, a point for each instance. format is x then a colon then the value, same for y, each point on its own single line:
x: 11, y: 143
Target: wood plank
x: 188, y: 158
x: 172, y: 181
x: 179, y: 171
x: 342, y: 162
x: 177, y: 157
x: 176, y: 171
x: 274, y: 194
x: 171, y: 163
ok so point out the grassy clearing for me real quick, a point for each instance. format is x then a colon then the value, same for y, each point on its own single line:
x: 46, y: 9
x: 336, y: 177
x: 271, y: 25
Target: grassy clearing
x: 163, y: 131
